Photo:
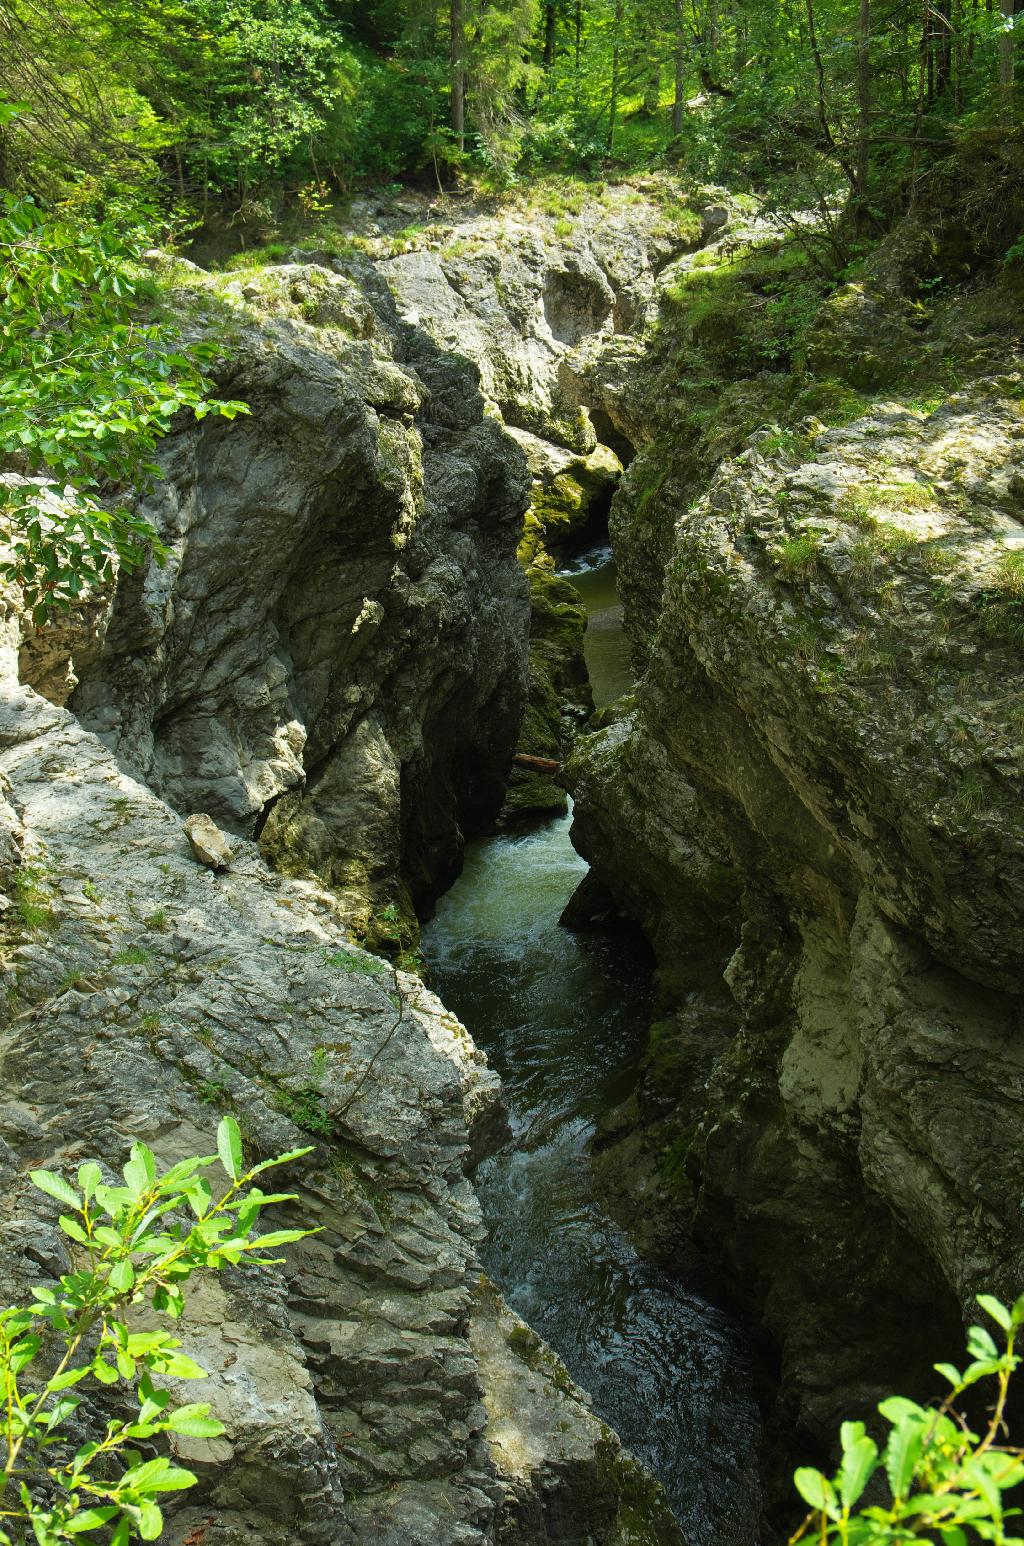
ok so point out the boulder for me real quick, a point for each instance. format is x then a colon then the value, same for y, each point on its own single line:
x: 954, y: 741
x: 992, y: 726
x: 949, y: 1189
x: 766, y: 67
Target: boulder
x: 208, y: 842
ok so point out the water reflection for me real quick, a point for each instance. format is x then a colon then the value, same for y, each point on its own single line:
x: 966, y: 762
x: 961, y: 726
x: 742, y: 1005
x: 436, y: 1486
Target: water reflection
x: 605, y: 647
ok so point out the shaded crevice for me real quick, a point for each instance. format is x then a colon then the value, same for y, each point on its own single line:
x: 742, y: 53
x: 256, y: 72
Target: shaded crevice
x: 610, y: 436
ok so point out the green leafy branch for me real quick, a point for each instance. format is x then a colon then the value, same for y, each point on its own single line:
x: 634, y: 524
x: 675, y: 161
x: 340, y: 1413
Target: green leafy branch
x: 86, y: 391
x: 945, y: 1482
x: 134, y: 1244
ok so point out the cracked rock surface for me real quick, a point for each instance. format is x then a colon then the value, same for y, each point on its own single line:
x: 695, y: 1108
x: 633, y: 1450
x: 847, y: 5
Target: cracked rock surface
x: 333, y: 655
x: 832, y: 872
x: 371, y: 1386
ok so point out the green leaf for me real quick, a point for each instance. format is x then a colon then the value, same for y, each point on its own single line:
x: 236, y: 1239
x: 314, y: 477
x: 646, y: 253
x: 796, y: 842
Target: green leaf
x: 200, y: 1197
x: 979, y: 1344
x: 999, y: 1313
x: 194, y: 1421
x: 902, y: 1453
x: 122, y: 1276
x: 229, y: 1147
x: 140, y: 1171
x: 183, y: 1170
x: 139, y: 1343
x: 62, y: 1411
x: 159, y: 1476
x: 277, y: 1237
x: 89, y: 1178
x: 55, y: 1186
x: 68, y: 1378
x: 181, y: 1367
x: 976, y: 1471
x: 89, y: 1519
x: 114, y: 1200
x: 23, y: 1352
x: 816, y: 1490
x: 286, y: 1159
x: 151, y: 1521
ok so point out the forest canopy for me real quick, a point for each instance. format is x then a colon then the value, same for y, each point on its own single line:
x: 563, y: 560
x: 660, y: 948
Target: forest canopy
x: 200, y: 102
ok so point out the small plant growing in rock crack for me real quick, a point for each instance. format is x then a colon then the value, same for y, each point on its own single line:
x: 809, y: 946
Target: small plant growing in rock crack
x: 132, y: 955
x: 32, y: 899
x: 357, y: 965
x: 305, y: 1106
x: 797, y: 557
x: 135, y: 1244
x: 945, y: 1482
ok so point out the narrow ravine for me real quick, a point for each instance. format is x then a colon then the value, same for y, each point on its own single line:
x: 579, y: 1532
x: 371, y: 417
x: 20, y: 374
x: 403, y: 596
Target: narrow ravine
x: 563, y: 1019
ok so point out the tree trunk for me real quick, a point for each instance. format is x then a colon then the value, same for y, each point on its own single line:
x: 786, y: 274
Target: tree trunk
x: 652, y: 90
x: 863, y: 104
x: 944, y: 29
x: 458, y: 74
x: 828, y: 138
x: 550, y: 33
x: 679, y: 101
x: 613, y: 106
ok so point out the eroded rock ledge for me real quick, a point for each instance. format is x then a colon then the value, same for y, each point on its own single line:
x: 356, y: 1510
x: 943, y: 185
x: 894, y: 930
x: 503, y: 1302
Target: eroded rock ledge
x: 375, y: 1389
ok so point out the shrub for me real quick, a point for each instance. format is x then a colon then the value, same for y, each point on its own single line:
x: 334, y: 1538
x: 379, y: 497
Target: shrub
x: 133, y: 1245
x: 945, y: 1483
x: 86, y: 390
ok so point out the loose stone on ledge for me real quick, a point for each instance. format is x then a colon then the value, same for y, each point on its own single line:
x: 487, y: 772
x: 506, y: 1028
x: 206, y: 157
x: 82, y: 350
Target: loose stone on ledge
x: 208, y: 842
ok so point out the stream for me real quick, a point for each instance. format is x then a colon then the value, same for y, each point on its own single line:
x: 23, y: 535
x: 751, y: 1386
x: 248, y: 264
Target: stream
x: 563, y: 1018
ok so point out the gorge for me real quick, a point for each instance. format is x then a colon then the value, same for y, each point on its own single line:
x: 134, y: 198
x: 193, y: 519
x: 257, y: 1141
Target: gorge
x: 763, y: 1083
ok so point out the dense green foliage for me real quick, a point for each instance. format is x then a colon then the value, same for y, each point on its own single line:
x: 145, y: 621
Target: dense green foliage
x: 943, y: 1481
x: 239, y: 100
x: 134, y: 1245
x: 86, y: 389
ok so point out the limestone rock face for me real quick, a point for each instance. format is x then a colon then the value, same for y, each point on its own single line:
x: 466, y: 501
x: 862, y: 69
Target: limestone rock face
x: 370, y: 1385
x: 529, y: 295
x: 333, y: 656
x: 518, y: 292
x: 814, y: 808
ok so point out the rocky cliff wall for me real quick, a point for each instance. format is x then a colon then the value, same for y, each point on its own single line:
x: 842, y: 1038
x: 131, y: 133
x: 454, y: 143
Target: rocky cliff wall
x: 374, y: 1388
x: 333, y: 656
x: 531, y: 293
x: 813, y: 807
x: 331, y: 663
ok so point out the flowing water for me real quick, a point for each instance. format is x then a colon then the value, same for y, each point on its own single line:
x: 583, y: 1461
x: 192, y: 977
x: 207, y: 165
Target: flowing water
x: 563, y: 1019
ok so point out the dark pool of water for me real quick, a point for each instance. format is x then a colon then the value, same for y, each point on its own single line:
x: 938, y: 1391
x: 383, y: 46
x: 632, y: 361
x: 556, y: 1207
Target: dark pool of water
x: 605, y: 647
x: 563, y: 1018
